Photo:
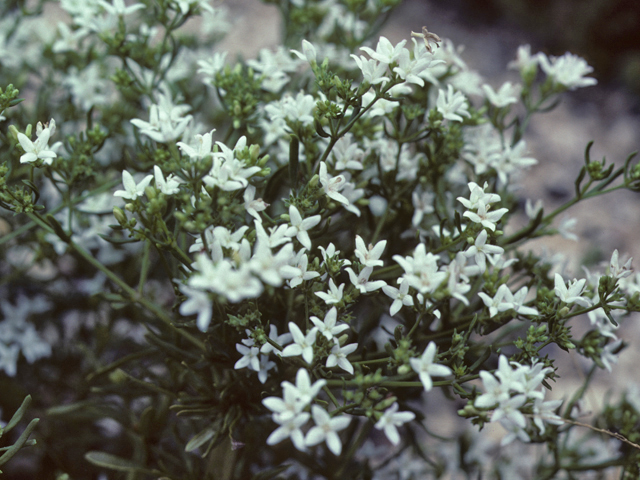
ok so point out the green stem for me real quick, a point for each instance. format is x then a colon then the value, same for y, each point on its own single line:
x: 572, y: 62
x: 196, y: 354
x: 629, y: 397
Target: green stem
x: 132, y: 294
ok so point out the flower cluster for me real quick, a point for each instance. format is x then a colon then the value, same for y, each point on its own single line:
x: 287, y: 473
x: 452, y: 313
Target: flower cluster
x: 281, y: 260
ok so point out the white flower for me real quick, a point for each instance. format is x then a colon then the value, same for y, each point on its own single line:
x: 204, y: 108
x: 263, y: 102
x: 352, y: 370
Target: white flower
x: 422, y: 204
x: 290, y: 428
x: 391, y: 419
x: 197, y: 302
x: 326, y: 428
x: 369, y: 256
x: 332, y: 185
x: 545, y: 412
x: 299, y: 226
x: 335, y: 293
x: 573, y: 293
x: 568, y: 70
x: 496, y: 303
x: 361, y: 281
x: 516, y: 302
x: 385, y: 51
x: 278, y: 339
x: 302, y: 345
x: 200, y: 148
x: 452, y: 104
x: 328, y: 327
x: 131, y: 189
x: 304, y: 391
x: 40, y: 148
x: 532, y: 209
x: 425, y: 367
x: 168, y: 186
x: 566, y: 225
x: 400, y: 297
x: 301, y: 262
x: 118, y: 7
x: 249, y: 357
x: 506, y: 94
x: 308, y: 52
x: 253, y: 205
x: 480, y: 249
x: 615, y: 270
x: 486, y: 218
x: 373, y: 71
x: 338, y: 357
x: 478, y: 196
x: 525, y: 62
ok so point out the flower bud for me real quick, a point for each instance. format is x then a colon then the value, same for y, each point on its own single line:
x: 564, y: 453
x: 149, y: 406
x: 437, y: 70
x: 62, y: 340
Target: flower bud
x: 120, y: 216
x: 314, y: 181
x: 150, y: 192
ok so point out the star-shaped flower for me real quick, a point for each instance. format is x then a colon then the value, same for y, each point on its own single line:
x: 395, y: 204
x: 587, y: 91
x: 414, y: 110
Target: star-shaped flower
x: 302, y: 344
x: 391, y: 419
x: 131, y: 189
x: 425, y: 367
x: 326, y: 428
x: 299, y: 226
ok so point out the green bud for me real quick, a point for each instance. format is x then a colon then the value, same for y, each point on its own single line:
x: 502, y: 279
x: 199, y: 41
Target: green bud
x: 130, y: 207
x: 150, y: 192
x: 254, y: 152
x: 404, y: 369
x: 314, y: 181
x: 119, y: 216
x: 118, y: 376
x: 13, y: 132
x: 263, y: 161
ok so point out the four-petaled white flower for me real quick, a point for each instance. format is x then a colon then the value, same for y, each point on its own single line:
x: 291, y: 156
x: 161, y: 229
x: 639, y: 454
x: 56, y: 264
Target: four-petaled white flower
x: 335, y: 293
x: 302, y: 344
x: 480, y: 249
x: 615, y: 270
x: 391, y: 419
x: 326, y: 428
x: 573, y: 293
x: 385, y: 51
x: 338, y: 356
x: 169, y: 186
x: 131, y: 189
x: 253, y: 205
x: 40, y: 148
x: 452, y: 105
x: 486, y: 218
x: 426, y: 368
x: 332, y: 185
x: 369, y: 256
x: 328, y: 327
x: 400, y: 297
x: 361, y: 281
x: 299, y: 226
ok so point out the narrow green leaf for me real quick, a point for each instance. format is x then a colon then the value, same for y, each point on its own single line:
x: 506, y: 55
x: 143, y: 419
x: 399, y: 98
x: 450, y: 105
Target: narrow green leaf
x: 113, y: 462
x: 22, y: 440
x: 17, y: 416
x: 200, y: 439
